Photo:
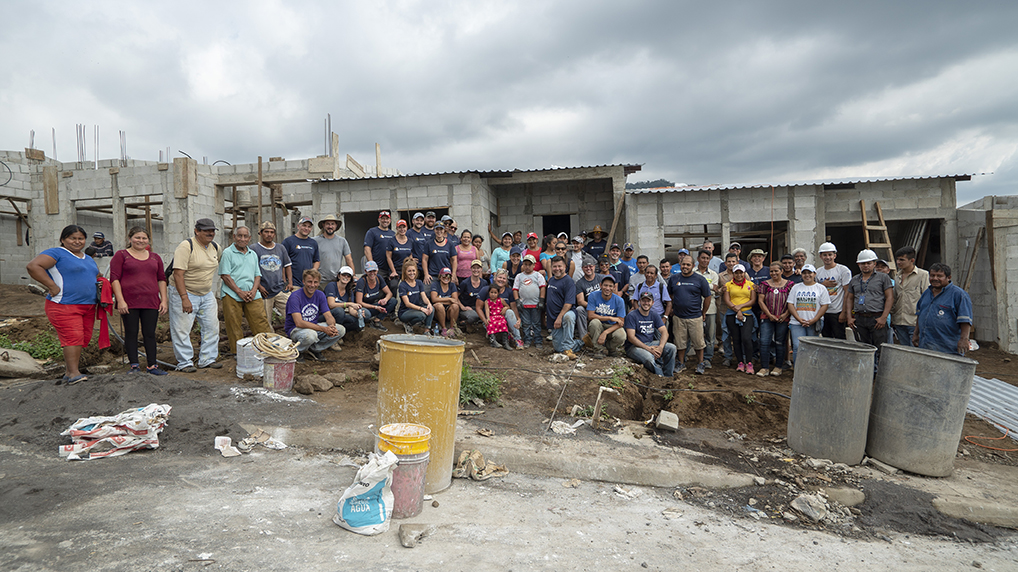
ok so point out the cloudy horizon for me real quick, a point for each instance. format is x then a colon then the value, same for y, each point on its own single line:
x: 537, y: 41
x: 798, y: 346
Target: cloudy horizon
x: 725, y: 93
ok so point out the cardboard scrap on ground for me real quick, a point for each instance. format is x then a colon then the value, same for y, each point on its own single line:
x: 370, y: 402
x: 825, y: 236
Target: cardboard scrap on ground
x: 471, y: 465
x: 259, y: 437
x: 111, y: 436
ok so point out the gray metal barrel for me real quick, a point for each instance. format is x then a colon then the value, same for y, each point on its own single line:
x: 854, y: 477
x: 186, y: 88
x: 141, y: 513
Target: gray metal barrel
x: 919, y: 402
x: 831, y: 399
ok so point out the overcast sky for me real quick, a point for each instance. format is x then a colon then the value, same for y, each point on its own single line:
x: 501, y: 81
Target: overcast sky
x: 698, y: 92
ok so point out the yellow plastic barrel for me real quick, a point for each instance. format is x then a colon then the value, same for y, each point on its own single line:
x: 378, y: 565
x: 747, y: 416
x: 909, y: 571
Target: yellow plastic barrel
x: 419, y: 382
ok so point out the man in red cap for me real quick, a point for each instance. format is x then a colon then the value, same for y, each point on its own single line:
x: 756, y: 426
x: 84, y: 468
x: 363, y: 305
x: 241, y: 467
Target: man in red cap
x: 377, y: 239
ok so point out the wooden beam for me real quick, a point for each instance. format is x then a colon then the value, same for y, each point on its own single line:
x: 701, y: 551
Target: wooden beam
x: 260, y: 181
x: 50, y: 189
x: 148, y: 216
x: 972, y: 261
x: 615, y: 221
x: 990, y: 246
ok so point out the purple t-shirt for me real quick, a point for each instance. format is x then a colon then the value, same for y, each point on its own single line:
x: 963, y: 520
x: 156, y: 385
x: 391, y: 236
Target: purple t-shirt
x: 310, y: 309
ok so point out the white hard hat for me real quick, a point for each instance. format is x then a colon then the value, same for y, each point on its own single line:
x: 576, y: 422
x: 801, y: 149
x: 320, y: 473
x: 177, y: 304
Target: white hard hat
x: 866, y: 255
x: 828, y: 247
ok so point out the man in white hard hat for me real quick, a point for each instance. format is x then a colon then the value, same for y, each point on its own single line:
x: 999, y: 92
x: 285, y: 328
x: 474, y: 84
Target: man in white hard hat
x: 868, y: 301
x: 835, y: 277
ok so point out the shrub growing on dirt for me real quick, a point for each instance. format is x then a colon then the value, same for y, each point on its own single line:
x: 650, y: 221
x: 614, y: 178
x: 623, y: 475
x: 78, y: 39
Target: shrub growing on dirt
x: 482, y: 384
x: 44, y: 346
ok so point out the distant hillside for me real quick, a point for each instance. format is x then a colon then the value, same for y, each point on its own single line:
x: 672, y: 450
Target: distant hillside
x: 650, y: 184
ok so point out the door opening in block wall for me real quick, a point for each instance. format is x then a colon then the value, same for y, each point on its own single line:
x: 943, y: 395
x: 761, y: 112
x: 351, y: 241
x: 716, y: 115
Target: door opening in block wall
x: 554, y: 224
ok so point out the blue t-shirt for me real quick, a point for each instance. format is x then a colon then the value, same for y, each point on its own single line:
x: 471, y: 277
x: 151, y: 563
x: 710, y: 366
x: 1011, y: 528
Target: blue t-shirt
x: 940, y: 316
x: 687, y: 294
x: 758, y: 277
x: 303, y: 253
x: 429, y: 234
x: 413, y: 294
x: 470, y: 294
x: 74, y: 276
x: 370, y: 295
x: 631, y: 263
x: 442, y: 290
x: 620, y: 272
x: 310, y: 309
x: 439, y: 257
x: 332, y: 291
x: 645, y: 326
x: 272, y: 262
x: 399, y: 253
x: 498, y: 258
x: 420, y: 240
x: 378, y: 240
x: 596, y: 249
x: 613, y: 307
x: 506, y: 295
x: 559, y: 292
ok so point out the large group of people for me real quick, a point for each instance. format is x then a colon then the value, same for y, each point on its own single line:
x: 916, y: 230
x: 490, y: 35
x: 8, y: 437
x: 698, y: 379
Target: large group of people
x: 579, y: 294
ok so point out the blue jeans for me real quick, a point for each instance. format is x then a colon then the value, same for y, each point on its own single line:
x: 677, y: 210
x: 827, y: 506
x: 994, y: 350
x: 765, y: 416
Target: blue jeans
x: 773, y: 333
x: 726, y: 338
x: 317, y: 341
x: 797, y: 332
x: 412, y: 317
x: 664, y: 366
x: 203, y: 308
x: 349, y: 321
x: 562, y: 338
x: 531, y: 318
x: 514, y: 324
x: 904, y: 335
x: 390, y: 307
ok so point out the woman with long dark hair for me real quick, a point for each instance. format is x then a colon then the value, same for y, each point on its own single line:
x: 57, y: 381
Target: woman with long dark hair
x: 139, y: 284
x: 70, y: 276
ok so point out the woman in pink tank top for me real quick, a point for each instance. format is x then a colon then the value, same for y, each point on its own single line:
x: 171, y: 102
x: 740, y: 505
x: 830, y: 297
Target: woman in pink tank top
x: 466, y: 253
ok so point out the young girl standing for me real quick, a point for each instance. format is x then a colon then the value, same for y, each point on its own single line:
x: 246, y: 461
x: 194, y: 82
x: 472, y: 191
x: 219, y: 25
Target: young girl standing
x: 498, y: 328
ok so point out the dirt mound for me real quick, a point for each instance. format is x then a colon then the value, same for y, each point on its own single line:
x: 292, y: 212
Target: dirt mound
x: 35, y: 413
x: 756, y: 415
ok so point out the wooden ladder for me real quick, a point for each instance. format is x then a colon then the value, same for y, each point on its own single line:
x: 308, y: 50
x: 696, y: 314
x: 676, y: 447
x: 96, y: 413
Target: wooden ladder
x: 882, y: 228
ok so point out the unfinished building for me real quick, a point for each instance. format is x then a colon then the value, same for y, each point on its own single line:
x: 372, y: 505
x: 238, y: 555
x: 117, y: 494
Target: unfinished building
x: 979, y: 240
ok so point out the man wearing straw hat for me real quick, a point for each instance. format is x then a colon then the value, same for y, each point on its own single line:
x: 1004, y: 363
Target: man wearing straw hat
x: 333, y: 250
x: 597, y: 246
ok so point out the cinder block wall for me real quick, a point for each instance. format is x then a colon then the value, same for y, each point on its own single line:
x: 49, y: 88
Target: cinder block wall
x: 13, y: 258
x: 523, y: 204
x: 981, y: 290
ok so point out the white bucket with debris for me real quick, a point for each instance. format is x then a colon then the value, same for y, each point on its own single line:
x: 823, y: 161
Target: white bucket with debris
x: 249, y: 360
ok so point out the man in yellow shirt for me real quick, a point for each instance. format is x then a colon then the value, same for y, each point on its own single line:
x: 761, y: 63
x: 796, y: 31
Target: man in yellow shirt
x: 195, y: 264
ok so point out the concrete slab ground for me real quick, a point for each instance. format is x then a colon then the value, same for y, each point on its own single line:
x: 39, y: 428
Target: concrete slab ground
x: 272, y: 510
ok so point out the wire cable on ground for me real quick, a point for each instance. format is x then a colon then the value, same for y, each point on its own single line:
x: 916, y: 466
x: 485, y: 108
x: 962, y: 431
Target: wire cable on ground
x: 1006, y: 431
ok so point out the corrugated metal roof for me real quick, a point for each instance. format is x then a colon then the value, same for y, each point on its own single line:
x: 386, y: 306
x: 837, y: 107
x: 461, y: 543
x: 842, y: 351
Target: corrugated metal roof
x: 629, y: 169
x: 960, y: 177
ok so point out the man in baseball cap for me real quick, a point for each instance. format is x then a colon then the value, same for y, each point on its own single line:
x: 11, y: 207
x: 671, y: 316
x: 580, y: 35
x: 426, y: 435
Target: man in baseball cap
x: 102, y: 248
x: 376, y: 240
x: 647, y: 338
x: 628, y: 259
x: 303, y: 251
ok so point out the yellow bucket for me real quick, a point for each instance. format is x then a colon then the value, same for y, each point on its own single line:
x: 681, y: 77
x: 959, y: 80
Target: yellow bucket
x: 404, y: 438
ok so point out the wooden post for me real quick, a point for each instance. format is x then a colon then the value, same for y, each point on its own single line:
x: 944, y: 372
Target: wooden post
x: 615, y: 221
x: 378, y: 160
x: 233, y: 210
x: 148, y: 216
x: 259, y: 189
x: 972, y: 261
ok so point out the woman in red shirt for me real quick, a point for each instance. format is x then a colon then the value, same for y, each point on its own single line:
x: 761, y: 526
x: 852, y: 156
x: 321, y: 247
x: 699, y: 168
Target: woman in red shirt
x: 139, y: 284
